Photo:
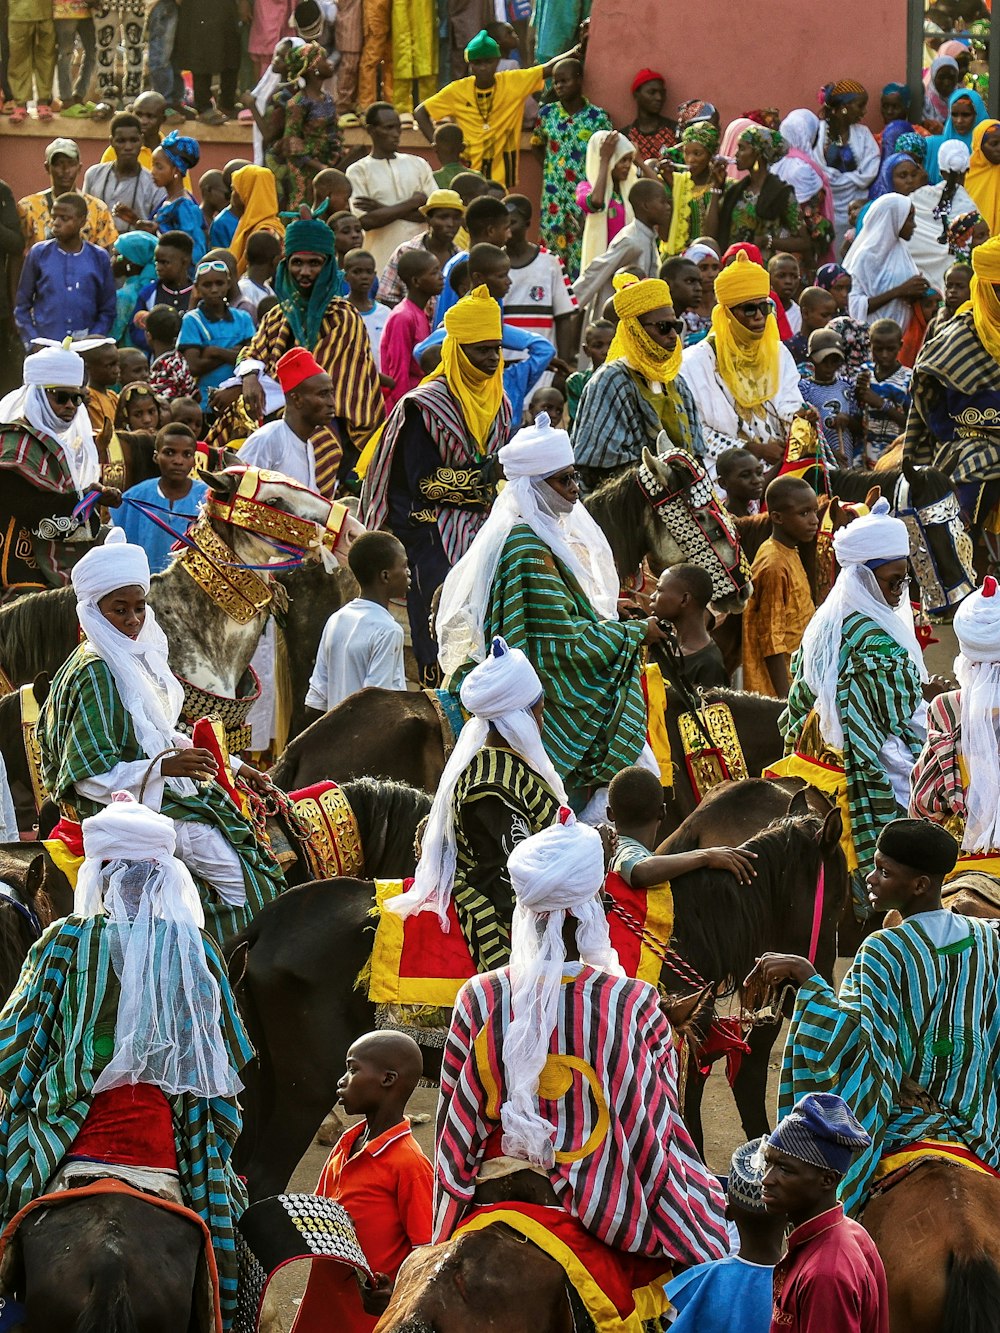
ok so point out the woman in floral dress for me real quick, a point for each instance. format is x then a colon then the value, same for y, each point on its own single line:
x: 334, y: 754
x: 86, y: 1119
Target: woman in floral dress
x: 311, y: 139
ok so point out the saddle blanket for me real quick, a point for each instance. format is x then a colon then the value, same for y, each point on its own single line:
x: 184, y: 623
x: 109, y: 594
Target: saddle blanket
x: 925, y: 1148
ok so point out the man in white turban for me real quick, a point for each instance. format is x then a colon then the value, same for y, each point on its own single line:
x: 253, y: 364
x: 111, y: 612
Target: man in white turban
x: 559, y: 1077
x: 122, y: 1043
x: 856, y: 715
x: 49, y: 463
x: 541, y: 574
x: 113, y: 711
x: 498, y: 787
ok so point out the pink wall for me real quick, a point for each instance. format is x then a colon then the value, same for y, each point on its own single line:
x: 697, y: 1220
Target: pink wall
x: 742, y: 54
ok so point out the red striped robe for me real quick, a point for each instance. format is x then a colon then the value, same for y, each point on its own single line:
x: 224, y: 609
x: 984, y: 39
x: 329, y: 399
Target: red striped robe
x: 639, y: 1184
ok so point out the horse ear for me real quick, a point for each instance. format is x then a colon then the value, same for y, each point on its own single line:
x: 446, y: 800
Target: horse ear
x: 830, y: 834
x: 651, y: 460
x: 835, y: 512
x: 40, y: 687
x: 224, y: 485
x: 35, y: 877
x: 910, y: 470
x: 874, y: 494
x: 236, y: 964
x: 799, y: 804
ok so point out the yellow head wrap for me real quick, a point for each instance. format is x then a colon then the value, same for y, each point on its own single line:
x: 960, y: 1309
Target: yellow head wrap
x: 473, y: 319
x: 982, y: 180
x: 983, y: 300
x: 256, y: 187
x: 749, y: 363
x: 631, y: 341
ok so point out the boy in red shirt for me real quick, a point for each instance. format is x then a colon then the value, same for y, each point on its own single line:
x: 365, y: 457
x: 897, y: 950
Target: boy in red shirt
x: 379, y: 1174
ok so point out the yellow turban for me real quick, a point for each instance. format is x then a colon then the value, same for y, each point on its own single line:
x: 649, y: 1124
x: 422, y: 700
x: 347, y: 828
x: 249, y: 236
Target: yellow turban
x: 983, y: 300
x: 631, y: 341
x: 749, y: 363
x: 474, y: 319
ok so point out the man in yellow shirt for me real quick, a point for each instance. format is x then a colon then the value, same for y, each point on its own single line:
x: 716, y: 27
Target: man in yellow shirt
x: 489, y: 107
x: 62, y: 162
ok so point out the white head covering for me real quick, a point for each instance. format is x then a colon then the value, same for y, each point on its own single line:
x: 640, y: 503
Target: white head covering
x: 150, y: 692
x: 799, y: 129
x: 168, y: 1030
x: 879, y: 260
x: 953, y: 155
x: 566, y: 529
x: 556, y: 871
x: 56, y: 367
x: 977, y: 627
x: 876, y: 538
x: 595, y: 225
x: 500, y: 692
x: 697, y: 252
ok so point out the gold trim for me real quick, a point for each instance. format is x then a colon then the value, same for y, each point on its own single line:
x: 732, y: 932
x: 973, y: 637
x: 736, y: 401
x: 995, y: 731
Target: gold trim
x: 32, y: 750
x: 334, y: 848
x: 724, y: 761
x: 213, y: 565
x: 245, y: 511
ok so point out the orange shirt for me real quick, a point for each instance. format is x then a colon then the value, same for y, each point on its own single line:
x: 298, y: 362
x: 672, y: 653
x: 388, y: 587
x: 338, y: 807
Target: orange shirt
x: 387, y: 1188
x: 776, y: 616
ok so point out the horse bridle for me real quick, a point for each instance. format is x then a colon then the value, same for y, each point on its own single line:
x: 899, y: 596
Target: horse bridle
x: 935, y: 594
x: 10, y: 897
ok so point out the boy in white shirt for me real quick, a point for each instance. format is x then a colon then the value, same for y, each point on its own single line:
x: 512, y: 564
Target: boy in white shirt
x: 362, y: 644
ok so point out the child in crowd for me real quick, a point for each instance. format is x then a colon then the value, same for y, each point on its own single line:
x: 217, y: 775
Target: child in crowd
x: 957, y: 290
x: 138, y: 409
x: 741, y: 476
x: 214, y: 196
x: 682, y: 595
x: 362, y: 643
x: 817, y: 307
x: 172, y: 285
x: 102, y: 373
x: 824, y: 387
x: 132, y: 367
x: 263, y: 255
x: 781, y: 605
x: 169, y: 373
x: 683, y: 277
x: 332, y: 192
x: 347, y: 234
x: 66, y: 286
x: 706, y: 1296
x: 408, y: 324
x: 884, y: 386
x: 213, y: 333
x: 379, y: 1174
x: 359, y: 275
x: 172, y: 160
x: 786, y: 280
x: 187, y: 412
x: 635, y: 807
x: 550, y: 401
x: 224, y: 223
x: 449, y: 143
x: 596, y: 343
x: 174, y: 489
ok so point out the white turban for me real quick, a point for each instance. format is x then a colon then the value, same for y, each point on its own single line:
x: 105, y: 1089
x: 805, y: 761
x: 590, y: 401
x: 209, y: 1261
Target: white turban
x: 977, y: 627
x: 557, y: 871
x: 56, y: 367
x: 697, y: 252
x: 875, y: 536
x: 953, y: 156
x: 116, y: 564
x: 500, y: 692
x: 168, y: 1028
x: 536, y: 451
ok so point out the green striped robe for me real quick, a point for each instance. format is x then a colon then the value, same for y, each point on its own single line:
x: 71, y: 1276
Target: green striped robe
x: 57, y: 1034
x: 84, y: 730
x: 878, y: 693
x: 907, y: 1007
x: 595, y: 713
x: 498, y: 801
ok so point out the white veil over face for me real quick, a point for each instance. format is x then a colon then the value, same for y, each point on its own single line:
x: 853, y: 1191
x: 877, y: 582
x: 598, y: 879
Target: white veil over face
x: 977, y: 627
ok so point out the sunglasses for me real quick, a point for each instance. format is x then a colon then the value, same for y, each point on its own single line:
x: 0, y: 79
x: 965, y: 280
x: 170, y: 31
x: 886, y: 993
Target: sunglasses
x: 565, y: 478
x: 211, y: 266
x: 749, y: 308
x: 663, y: 326
x: 63, y: 396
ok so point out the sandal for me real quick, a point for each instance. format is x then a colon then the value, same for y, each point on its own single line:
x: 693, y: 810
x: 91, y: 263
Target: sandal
x: 348, y: 120
x: 19, y: 115
x: 103, y: 111
x: 212, y: 118
x: 245, y: 115
x: 43, y: 111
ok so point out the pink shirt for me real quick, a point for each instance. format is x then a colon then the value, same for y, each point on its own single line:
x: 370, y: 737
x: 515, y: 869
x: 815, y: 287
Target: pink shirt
x: 614, y: 208
x: 406, y: 326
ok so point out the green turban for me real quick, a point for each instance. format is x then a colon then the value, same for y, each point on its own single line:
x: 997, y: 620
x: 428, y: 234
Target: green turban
x: 308, y: 235
x: 482, y: 47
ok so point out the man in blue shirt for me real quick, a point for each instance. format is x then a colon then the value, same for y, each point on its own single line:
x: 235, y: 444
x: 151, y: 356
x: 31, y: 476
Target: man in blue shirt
x: 173, y: 490
x: 66, y: 287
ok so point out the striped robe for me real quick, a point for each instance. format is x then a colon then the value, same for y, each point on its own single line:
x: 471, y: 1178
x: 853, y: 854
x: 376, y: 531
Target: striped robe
x: 84, y: 731
x: 937, y: 784
x: 878, y: 694
x: 616, y: 418
x: 498, y: 800
x: 56, y: 1036
x: 908, y: 1006
x: 625, y: 1164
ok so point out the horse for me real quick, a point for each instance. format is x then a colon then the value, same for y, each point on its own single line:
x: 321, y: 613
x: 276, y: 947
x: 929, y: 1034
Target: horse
x: 28, y: 905
x: 280, y: 970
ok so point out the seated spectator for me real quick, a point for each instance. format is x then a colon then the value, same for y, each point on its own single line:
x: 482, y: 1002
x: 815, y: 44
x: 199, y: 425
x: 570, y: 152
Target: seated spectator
x: 213, y: 333
x: 263, y: 254
x: 127, y: 188
x: 169, y: 373
x: 174, y: 489
x: 66, y: 287
x: 62, y: 163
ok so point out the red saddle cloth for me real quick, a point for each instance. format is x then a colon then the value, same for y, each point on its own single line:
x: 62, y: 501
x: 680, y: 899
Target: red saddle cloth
x: 130, y: 1126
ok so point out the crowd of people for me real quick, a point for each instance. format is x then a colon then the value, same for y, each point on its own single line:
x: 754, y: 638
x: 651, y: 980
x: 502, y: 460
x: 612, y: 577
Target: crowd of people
x: 783, y: 301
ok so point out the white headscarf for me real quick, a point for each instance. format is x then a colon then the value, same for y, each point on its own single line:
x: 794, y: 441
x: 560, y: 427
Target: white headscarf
x: 536, y: 452
x: 798, y: 167
x: 56, y: 367
x: 556, y: 871
x: 595, y: 225
x: 168, y: 1030
x: 977, y: 627
x: 879, y: 260
x: 953, y: 155
x: 875, y: 537
x: 500, y: 692
x: 150, y: 692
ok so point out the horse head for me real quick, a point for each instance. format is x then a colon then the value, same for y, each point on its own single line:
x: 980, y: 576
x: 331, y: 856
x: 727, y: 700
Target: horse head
x: 695, y: 528
x: 263, y: 515
x: 940, y: 548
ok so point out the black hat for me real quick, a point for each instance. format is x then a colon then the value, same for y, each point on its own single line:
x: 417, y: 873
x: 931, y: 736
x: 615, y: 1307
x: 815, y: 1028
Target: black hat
x: 919, y: 844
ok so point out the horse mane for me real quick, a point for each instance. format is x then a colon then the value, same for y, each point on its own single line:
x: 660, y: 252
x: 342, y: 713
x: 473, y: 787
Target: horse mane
x: 721, y: 925
x: 754, y: 530
x: 620, y: 510
x: 388, y: 815
x: 32, y: 627
x: 854, y: 483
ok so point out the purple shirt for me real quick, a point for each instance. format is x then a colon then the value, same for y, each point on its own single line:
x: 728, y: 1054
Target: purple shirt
x: 62, y: 292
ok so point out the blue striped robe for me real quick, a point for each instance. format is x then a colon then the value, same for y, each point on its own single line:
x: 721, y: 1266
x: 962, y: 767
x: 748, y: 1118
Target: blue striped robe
x: 908, y: 1007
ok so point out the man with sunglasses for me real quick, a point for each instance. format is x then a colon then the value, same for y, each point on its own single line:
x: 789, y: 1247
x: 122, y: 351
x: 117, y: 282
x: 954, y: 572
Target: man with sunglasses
x: 48, y: 463
x: 744, y: 381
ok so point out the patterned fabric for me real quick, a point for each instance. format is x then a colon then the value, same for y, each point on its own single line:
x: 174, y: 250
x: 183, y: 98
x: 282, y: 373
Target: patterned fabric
x: 618, y: 414
x: 773, y: 209
x: 35, y: 214
x: 650, y: 145
x: 56, y: 1035
x: 625, y: 1165
x: 878, y: 692
x: 310, y: 133
x: 777, y: 614
x: 894, y: 389
x: 391, y: 288
x: 498, y: 801
x: 937, y: 784
x: 84, y: 731
x: 921, y: 1002
x: 170, y: 376
x: 564, y: 138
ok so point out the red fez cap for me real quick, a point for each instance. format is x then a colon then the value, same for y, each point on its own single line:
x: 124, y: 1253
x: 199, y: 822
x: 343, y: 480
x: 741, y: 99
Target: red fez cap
x: 296, y: 366
x: 646, y: 76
